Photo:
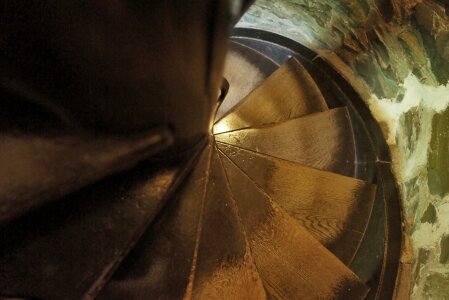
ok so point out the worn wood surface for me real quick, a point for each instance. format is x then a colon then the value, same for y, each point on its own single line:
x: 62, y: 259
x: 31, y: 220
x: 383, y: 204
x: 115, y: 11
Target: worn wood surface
x: 290, y: 261
x: 322, y: 140
x: 334, y: 208
x: 224, y: 268
x: 288, y: 93
x: 244, y: 69
x: 69, y: 250
x: 37, y: 169
x: 160, y: 265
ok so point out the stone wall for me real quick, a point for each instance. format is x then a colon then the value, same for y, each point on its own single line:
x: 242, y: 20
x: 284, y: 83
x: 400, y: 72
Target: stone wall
x: 399, y: 50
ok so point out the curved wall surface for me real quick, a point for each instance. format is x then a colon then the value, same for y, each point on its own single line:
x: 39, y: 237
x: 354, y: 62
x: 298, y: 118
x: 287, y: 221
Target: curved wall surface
x: 396, y: 55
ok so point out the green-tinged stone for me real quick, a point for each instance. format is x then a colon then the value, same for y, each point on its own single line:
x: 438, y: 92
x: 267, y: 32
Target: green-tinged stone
x: 436, y: 287
x: 430, y: 215
x: 421, y: 260
x: 444, y: 246
x: 411, y: 124
x: 432, y: 22
x: 438, y: 166
x: 440, y: 65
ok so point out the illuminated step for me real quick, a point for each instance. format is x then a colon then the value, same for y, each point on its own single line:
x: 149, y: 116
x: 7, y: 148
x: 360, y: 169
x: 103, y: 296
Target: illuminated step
x: 323, y: 140
x: 244, y: 69
x: 224, y: 266
x: 290, y: 261
x: 288, y: 93
x: 335, y: 209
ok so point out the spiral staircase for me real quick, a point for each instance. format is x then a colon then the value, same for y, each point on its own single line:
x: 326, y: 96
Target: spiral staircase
x: 285, y: 199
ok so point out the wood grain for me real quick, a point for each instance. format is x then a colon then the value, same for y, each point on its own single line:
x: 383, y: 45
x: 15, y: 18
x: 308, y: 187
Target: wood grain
x: 290, y: 261
x: 334, y: 208
x: 160, y: 266
x: 244, y: 69
x: 322, y: 140
x: 289, y: 92
x: 224, y: 268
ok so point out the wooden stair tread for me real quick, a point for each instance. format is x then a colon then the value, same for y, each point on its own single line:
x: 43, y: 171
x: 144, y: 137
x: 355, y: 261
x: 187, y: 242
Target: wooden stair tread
x: 289, y: 92
x: 69, y: 250
x: 224, y: 267
x: 244, y: 69
x: 160, y: 264
x: 322, y: 140
x: 290, y: 261
x: 334, y: 208
x: 37, y: 169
